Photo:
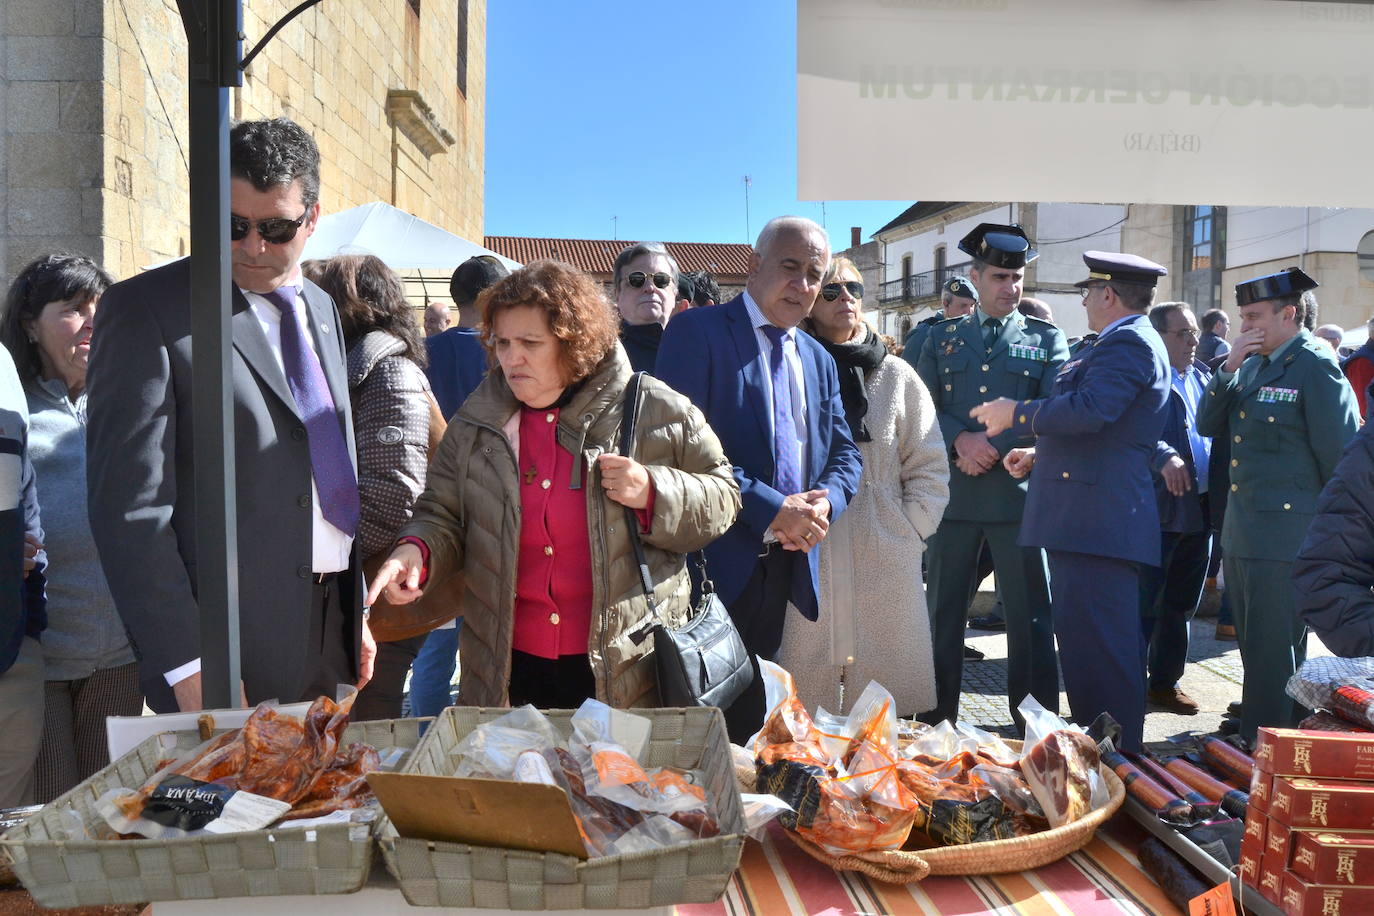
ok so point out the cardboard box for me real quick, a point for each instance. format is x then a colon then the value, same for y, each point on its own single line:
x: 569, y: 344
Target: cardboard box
x: 1318, y: 754
x: 1271, y: 878
x: 1332, y: 804
x: 1261, y: 787
x: 1301, y: 898
x: 1277, y: 840
x: 1252, y: 848
x: 482, y: 812
x: 1324, y: 857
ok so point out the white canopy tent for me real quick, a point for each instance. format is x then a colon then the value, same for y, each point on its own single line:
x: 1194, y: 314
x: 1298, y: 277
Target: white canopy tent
x: 422, y: 253
x: 404, y: 242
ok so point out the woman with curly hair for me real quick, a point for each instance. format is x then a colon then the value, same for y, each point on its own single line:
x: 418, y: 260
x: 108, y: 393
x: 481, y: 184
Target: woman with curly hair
x: 526, y: 497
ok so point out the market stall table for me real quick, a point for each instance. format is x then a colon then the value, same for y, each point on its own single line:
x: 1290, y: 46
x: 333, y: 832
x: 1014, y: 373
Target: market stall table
x: 776, y: 877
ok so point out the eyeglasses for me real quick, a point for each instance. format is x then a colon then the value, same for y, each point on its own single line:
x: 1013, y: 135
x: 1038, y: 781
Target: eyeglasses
x: 1086, y: 291
x: 661, y: 280
x: 1187, y: 332
x: 831, y: 291
x: 277, y: 231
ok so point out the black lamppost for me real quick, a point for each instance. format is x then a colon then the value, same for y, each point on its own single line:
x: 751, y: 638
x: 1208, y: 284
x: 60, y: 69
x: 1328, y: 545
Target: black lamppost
x: 213, y: 37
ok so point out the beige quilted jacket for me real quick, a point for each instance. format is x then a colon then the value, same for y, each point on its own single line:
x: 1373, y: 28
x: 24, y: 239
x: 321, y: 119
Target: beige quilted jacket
x: 469, y: 516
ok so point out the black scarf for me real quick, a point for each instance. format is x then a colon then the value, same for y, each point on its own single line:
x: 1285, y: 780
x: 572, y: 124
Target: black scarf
x: 855, y: 359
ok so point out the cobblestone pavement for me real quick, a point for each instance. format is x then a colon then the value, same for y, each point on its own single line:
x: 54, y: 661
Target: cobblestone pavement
x: 1213, y: 678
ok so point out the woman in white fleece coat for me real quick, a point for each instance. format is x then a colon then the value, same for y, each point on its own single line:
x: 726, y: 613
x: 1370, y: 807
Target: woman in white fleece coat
x: 873, y: 623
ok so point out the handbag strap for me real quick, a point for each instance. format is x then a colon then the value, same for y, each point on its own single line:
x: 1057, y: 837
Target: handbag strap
x: 627, y: 430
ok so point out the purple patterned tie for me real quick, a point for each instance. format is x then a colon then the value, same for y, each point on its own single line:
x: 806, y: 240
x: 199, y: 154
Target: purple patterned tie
x: 786, y: 450
x: 334, y: 477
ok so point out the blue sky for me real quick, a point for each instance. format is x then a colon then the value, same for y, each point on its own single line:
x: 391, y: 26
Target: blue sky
x: 650, y: 112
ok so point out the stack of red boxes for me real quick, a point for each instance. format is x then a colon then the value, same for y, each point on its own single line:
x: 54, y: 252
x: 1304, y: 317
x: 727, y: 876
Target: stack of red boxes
x: 1309, y: 830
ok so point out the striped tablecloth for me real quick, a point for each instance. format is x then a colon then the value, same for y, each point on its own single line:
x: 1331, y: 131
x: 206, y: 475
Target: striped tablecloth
x: 1102, y: 879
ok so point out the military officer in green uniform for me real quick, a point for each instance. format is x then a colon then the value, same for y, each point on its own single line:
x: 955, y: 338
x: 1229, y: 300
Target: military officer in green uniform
x: 957, y: 299
x: 1283, y: 405
x: 993, y: 352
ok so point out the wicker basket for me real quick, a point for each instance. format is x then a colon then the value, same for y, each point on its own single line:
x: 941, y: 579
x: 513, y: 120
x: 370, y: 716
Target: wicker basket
x: 330, y: 859
x: 903, y: 866
x: 455, y: 874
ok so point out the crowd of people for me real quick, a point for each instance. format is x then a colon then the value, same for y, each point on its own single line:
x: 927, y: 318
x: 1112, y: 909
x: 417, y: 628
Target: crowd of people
x: 415, y: 499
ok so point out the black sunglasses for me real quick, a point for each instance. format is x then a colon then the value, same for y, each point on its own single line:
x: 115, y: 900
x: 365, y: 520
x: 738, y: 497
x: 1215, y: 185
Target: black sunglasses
x: 831, y: 291
x: 277, y: 231
x: 661, y: 280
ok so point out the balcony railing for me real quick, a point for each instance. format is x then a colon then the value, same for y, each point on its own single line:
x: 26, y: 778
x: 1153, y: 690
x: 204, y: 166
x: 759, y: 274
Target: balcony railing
x: 925, y: 285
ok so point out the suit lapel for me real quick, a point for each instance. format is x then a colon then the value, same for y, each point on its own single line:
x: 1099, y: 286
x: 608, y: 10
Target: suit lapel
x: 253, y: 347
x: 1265, y: 376
x: 811, y: 379
x: 1012, y: 325
x: 751, y: 365
x: 322, y: 326
x: 973, y: 334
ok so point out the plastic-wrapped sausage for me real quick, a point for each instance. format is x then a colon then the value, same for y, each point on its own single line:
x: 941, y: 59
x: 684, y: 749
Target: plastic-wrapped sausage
x: 1173, y: 875
x: 1234, y: 765
x: 1202, y: 805
x: 1233, y: 801
x: 1147, y: 791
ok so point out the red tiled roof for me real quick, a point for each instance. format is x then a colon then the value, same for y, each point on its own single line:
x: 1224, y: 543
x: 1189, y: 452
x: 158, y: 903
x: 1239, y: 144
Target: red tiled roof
x: 597, y: 256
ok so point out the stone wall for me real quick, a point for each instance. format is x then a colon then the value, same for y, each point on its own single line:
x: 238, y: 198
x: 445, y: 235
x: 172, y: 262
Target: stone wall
x: 93, y: 117
x: 53, y: 63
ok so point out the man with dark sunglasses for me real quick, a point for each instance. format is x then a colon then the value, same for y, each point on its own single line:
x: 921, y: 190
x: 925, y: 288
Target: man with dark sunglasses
x: 644, y: 283
x: 300, y: 583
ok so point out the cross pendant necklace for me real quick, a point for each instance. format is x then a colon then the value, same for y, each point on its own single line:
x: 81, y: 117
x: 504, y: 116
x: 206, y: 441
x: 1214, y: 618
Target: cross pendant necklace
x: 530, y: 474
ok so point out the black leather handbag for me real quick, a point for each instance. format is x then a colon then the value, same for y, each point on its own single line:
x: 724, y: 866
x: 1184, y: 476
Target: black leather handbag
x: 703, y: 662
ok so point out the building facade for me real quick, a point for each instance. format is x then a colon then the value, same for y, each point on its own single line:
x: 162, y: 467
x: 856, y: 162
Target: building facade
x: 1208, y: 250
x: 920, y: 251
x: 93, y: 117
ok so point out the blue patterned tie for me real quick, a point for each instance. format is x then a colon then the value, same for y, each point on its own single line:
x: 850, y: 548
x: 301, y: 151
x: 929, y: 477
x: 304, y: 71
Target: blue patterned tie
x: 329, y: 459
x: 787, y: 478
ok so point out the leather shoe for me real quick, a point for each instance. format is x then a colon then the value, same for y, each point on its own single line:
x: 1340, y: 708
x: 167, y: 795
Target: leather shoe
x: 1226, y: 632
x: 1174, y: 700
x: 987, y: 622
x: 1233, y: 709
x: 972, y: 653
x: 1228, y: 727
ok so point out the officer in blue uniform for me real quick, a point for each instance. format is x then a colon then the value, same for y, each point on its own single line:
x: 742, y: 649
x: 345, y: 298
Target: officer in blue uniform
x: 956, y: 300
x: 965, y: 361
x: 1092, y: 501
x: 1287, y: 413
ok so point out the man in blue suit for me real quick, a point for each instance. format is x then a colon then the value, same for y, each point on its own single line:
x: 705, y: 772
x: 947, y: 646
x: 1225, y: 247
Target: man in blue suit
x: 772, y: 395
x: 1169, y: 593
x: 1091, y: 503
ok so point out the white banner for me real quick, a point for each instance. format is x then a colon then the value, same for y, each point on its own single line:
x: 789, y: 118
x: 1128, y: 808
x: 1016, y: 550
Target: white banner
x: 1151, y: 101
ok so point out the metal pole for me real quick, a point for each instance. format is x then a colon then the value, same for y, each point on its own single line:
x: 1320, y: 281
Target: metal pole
x: 213, y: 42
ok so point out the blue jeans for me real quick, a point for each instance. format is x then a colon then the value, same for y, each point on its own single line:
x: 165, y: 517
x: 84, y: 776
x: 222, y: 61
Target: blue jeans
x: 432, y: 672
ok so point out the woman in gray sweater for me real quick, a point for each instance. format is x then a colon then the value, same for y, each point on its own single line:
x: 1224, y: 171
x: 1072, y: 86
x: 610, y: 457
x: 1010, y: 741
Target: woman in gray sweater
x: 90, y: 667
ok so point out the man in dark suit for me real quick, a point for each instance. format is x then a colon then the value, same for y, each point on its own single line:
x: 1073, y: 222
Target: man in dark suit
x: 300, y: 585
x: 995, y: 350
x: 1169, y: 592
x: 1092, y: 502
x: 772, y: 395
